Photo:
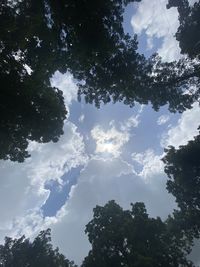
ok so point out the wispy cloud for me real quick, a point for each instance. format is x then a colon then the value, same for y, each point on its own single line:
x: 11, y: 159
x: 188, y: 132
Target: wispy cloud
x: 163, y: 119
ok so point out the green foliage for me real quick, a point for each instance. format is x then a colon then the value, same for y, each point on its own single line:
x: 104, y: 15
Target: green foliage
x: 183, y: 169
x: 130, y: 238
x: 22, y: 252
x: 86, y: 38
x: 30, y: 108
x: 188, y: 31
x: 174, y: 83
x: 118, y: 237
x: 118, y: 73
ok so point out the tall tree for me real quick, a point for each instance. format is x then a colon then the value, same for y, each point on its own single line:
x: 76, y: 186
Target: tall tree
x: 183, y: 164
x: 183, y: 169
x: 22, y: 252
x: 38, y: 38
x: 131, y: 239
x: 86, y: 38
x: 30, y: 108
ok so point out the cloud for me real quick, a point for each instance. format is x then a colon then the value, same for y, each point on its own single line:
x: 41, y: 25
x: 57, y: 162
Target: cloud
x: 100, y: 181
x: 54, y: 159
x: 22, y: 186
x: 163, y: 119
x: 81, y: 118
x: 112, y: 140
x: 155, y: 20
x: 131, y: 122
x: 151, y: 164
x: 185, y: 130
x: 109, y: 141
x: 66, y: 83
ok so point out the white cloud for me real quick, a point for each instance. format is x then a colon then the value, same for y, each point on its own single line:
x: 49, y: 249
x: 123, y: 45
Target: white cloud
x: 185, y: 130
x: 131, y: 122
x: 81, y: 118
x: 110, y: 141
x: 150, y: 43
x: 66, y: 83
x: 22, y: 186
x: 163, y: 119
x: 99, y: 182
x: 155, y: 20
x: 151, y: 164
x: 54, y: 159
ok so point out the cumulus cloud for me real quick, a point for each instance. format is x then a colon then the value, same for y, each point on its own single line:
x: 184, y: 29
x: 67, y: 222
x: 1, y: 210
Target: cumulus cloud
x: 100, y: 181
x: 185, y: 129
x: 109, y: 141
x: 22, y: 186
x: 66, y: 83
x: 163, y: 119
x: 150, y: 163
x: 112, y: 140
x: 155, y: 20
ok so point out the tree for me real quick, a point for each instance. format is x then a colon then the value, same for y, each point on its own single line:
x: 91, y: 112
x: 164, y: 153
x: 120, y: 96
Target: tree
x: 86, y: 38
x: 130, y: 238
x: 40, y: 37
x: 182, y: 166
x: 188, y: 32
x: 22, y: 252
x: 125, y: 75
x: 30, y: 108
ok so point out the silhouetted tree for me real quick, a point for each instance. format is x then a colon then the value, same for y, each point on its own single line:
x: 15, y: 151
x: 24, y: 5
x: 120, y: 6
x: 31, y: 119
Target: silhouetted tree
x: 22, y: 252
x: 30, y: 108
x: 188, y: 32
x: 86, y: 38
x: 131, y: 238
x: 182, y: 166
x: 126, y: 76
x: 38, y: 38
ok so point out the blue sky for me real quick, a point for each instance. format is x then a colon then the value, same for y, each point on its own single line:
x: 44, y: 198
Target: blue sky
x: 109, y: 153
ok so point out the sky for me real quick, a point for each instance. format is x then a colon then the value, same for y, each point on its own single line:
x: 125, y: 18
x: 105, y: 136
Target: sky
x: 109, y: 153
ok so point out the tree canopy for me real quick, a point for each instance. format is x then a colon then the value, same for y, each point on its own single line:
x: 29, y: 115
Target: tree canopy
x: 131, y: 238
x: 188, y: 32
x: 86, y: 38
x: 22, y: 252
x: 183, y: 164
x: 30, y: 108
x: 118, y: 237
x: 183, y: 169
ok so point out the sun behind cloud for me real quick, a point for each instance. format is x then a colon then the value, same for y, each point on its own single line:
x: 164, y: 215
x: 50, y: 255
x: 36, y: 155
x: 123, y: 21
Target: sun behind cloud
x: 110, y: 141
x: 108, y: 147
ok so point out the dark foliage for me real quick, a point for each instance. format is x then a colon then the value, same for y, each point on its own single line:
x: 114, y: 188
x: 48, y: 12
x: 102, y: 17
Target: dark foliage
x: 183, y: 168
x: 22, y: 252
x: 189, y: 29
x: 30, y: 108
x: 87, y: 39
x: 131, y: 238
